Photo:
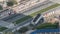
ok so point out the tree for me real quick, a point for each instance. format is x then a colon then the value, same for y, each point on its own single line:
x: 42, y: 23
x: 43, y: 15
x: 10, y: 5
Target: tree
x: 14, y: 1
x: 57, y: 24
x: 8, y: 32
x: 23, y: 30
x: 1, y: 7
x: 11, y: 3
x: 47, y: 26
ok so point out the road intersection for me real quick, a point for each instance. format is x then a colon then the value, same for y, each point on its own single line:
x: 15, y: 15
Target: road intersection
x: 22, y: 11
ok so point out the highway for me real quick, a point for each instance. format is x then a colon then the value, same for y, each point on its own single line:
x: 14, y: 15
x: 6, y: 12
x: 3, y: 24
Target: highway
x: 30, y: 11
x: 49, y: 11
x: 23, y: 24
x: 4, y: 13
x: 49, y: 3
x: 25, y: 13
x: 29, y: 21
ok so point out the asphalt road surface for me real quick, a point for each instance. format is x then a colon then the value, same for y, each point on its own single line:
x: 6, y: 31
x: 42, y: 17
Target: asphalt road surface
x: 29, y: 11
x: 29, y: 21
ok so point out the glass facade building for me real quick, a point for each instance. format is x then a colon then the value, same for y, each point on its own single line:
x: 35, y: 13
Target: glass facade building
x: 47, y: 31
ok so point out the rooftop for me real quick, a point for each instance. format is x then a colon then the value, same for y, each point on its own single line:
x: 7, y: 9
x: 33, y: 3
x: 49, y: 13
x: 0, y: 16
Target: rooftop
x: 46, y: 30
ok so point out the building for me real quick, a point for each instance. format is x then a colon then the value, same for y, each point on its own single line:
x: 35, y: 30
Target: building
x: 46, y: 31
x: 38, y: 19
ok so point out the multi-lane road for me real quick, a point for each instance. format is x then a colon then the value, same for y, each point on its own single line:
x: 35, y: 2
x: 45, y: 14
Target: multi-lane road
x: 29, y: 11
x: 29, y: 21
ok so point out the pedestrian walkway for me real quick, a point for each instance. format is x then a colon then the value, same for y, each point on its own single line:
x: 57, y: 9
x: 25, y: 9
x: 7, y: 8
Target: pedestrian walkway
x: 6, y: 24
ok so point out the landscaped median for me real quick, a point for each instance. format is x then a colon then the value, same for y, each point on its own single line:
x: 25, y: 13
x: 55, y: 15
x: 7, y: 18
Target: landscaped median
x: 33, y: 14
x: 2, y: 29
x: 48, y: 26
